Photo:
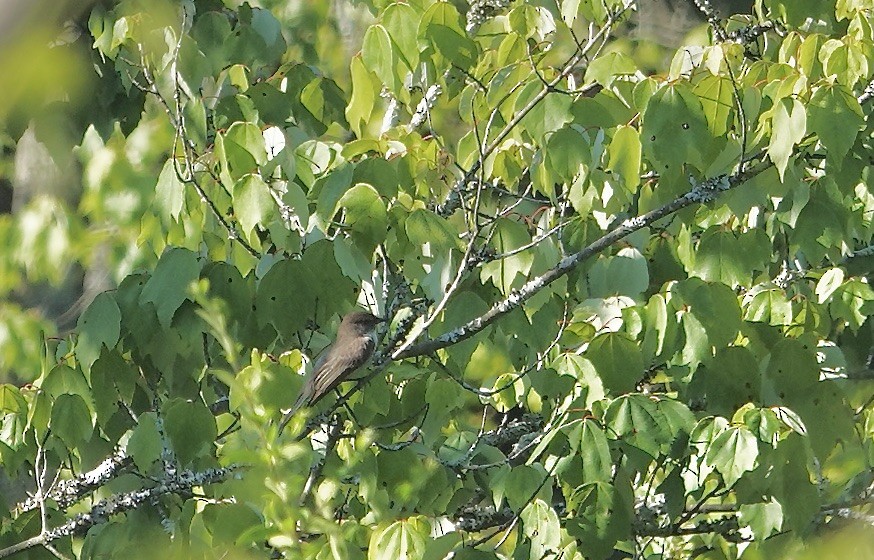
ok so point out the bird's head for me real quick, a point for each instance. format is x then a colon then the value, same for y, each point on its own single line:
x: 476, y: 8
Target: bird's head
x: 358, y: 323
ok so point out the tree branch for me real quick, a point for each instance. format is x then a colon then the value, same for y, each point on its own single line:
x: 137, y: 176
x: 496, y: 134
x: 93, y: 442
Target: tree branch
x: 709, y: 12
x: 703, y: 192
x: 68, y: 492
x: 120, y: 503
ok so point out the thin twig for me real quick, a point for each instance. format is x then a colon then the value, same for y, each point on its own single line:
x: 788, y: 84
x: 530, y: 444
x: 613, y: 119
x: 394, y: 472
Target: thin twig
x: 448, y: 206
x: 334, y: 431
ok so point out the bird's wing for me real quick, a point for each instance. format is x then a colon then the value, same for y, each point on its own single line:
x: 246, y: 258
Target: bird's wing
x: 307, y: 390
x: 329, y: 370
x: 336, y: 367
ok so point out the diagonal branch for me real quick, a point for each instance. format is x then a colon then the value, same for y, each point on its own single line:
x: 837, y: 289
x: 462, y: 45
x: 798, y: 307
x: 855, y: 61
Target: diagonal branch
x: 703, y: 192
x: 67, y: 492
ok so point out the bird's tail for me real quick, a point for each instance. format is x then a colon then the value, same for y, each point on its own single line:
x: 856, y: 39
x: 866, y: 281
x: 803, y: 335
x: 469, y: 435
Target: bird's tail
x: 286, y: 418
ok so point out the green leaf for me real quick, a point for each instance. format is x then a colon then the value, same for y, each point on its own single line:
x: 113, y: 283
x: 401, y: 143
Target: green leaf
x: 297, y: 201
x: 405, y: 539
x: 401, y: 23
x: 382, y: 175
x: 625, y: 153
x: 595, y: 453
x: 424, y: 226
x: 170, y: 191
x: 798, y: 197
x: 112, y: 380
x: 550, y: 114
x: 377, y: 55
x: 272, y: 105
x: 788, y: 126
x: 540, y: 524
x: 99, y: 326
x: 64, y: 380
x: 853, y: 302
x: 618, y: 361
x: 569, y: 10
x: 39, y: 414
x: 531, y: 22
x: 636, y: 420
x: 717, y: 99
x: 768, y: 304
x: 657, y: 327
x: 697, y: 347
x: 265, y: 24
x: 790, y: 419
x: 329, y: 189
x: 724, y: 257
x: 508, y: 272
x: 168, y: 286
x: 71, y: 420
x: 843, y: 60
x: 830, y: 281
x: 521, y: 483
x: 791, y: 484
x: 602, y: 517
x: 733, y: 453
x: 792, y: 370
x: 764, y: 423
x: 144, y: 445
x: 826, y: 415
x: 253, y: 204
x: 273, y: 297
x: 364, y: 92
x: 624, y: 274
x: 441, y: 27
x: 314, y: 287
x: 835, y: 116
x: 763, y: 519
x: 609, y: 65
x: 808, y: 55
x: 211, y: 30
x: 583, y: 371
x: 511, y: 391
x: 366, y: 216
x: 191, y: 429
x: 714, y: 306
x: 227, y: 284
x: 351, y: 260
x: 679, y: 418
x: 728, y: 381
x: 797, y: 12
x: 274, y: 384
x: 438, y: 548
x: 233, y: 521
x: 821, y: 225
x: 11, y: 400
x: 675, y: 130
x: 566, y: 153
x: 244, y: 148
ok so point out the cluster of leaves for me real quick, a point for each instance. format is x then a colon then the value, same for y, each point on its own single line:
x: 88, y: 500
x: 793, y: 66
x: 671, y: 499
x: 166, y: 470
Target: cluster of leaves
x: 629, y: 314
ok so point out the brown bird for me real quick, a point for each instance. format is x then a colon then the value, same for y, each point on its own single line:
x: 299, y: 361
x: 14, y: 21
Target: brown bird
x: 353, y: 346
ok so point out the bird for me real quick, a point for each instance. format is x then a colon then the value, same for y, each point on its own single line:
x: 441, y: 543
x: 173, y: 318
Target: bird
x: 352, y: 347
